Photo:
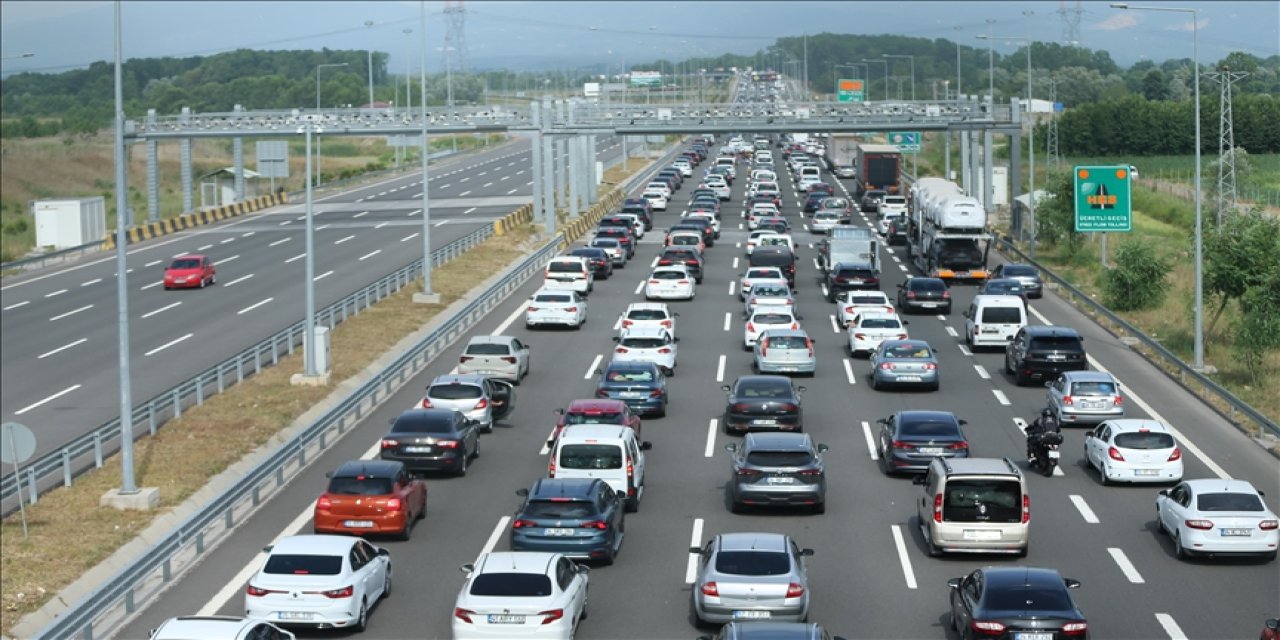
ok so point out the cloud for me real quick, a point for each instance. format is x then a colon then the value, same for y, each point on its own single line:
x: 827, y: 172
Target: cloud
x: 1116, y: 22
x: 1188, y: 26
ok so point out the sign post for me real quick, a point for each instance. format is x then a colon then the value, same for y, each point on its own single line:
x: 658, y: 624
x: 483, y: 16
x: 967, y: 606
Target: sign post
x: 848, y: 90
x: 17, y: 443
x: 1104, y: 201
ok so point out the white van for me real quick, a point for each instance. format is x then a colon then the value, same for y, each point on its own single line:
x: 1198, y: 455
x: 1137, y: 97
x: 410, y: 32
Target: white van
x: 808, y: 173
x: 992, y: 321
x: 610, y: 452
x: 569, y: 272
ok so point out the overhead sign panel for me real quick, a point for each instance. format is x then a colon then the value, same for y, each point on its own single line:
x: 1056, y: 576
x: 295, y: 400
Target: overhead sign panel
x: 1103, y: 199
x: 906, y: 141
x: 849, y: 90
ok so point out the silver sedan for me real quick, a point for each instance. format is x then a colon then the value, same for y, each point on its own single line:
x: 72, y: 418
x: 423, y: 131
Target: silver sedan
x: 785, y: 351
x: 904, y: 362
x: 751, y: 576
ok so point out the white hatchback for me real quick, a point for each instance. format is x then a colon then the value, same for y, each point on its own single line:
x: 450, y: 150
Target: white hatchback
x: 647, y: 344
x: 320, y: 581
x: 870, y: 328
x: 1133, y: 450
x: 764, y: 319
x: 656, y: 315
x: 521, y: 594
x: 778, y: 294
x: 671, y: 282
x: 657, y: 199
x: 850, y: 303
x: 756, y: 275
x: 564, y: 308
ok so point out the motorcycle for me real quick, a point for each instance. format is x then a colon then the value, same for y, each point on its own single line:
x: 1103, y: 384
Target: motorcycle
x: 1046, y: 451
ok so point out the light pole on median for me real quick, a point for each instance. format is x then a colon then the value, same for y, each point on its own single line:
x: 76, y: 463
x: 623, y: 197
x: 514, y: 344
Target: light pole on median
x: 427, y: 296
x: 318, y: 68
x: 911, y: 59
x: 1198, y: 348
x: 128, y: 484
x: 1031, y: 142
x: 886, y: 75
x: 369, y: 23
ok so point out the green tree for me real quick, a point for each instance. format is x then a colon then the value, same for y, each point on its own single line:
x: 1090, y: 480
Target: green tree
x: 1241, y: 257
x: 1137, y: 281
x: 1055, y: 214
x: 1154, y: 86
x: 1257, y: 330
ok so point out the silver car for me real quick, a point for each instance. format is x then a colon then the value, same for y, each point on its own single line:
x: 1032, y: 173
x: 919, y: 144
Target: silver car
x: 503, y: 356
x: 904, y: 362
x: 825, y: 221
x: 751, y: 576
x: 777, y: 469
x: 785, y: 351
x: 766, y: 293
x: 1085, y: 397
x: 481, y: 398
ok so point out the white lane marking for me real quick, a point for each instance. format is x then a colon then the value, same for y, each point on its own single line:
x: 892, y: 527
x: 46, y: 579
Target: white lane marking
x: 1083, y: 507
x: 952, y: 332
x: 322, y: 276
x: 237, y: 280
x: 591, y: 368
x: 903, y: 268
x: 825, y: 292
x: 712, y: 427
x: 167, y: 345
x: 280, y: 241
x: 284, y: 223
x: 296, y: 258
x: 414, y: 213
x: 342, y: 240
x: 57, y: 293
x: 370, y: 254
x: 61, y: 349
x: 247, y: 234
x: 493, y: 537
x: 226, y: 240
x: 617, y: 324
x: 226, y: 260
x: 835, y: 326
x: 1001, y: 398
x: 546, y: 443
x: 513, y: 191
x: 409, y: 237
x: 654, y: 263
x: 1126, y: 567
x: 471, y: 209
x: 720, y: 369
x: 728, y: 317
x: 467, y: 178
x: 46, y: 400
x: 871, y: 442
x: 361, y: 214
x: 464, y: 193
x: 203, y: 247
x: 640, y: 286
x: 965, y: 350
x: 848, y: 371
x: 417, y: 195
x: 735, y: 263
x: 153, y: 263
x: 70, y: 313
x: 18, y: 304
x: 486, y: 185
x: 903, y: 558
x: 691, y: 570
x: 381, y: 225
x: 982, y: 372
x: 91, y: 282
x: 253, y: 306
x: 161, y: 310
x: 150, y: 286
x: 1170, y: 627
x: 733, y: 286
x: 816, y: 265
x: 941, y: 318
x: 507, y: 322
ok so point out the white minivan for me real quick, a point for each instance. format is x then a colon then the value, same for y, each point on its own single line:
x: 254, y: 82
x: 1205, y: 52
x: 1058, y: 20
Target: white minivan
x: 569, y: 272
x: 610, y: 452
x: 992, y: 321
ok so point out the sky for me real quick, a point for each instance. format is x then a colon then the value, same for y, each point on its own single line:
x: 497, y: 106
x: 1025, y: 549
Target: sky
x: 547, y: 34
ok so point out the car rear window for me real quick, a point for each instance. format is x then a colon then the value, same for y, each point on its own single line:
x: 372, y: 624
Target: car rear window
x: 753, y: 563
x: 1229, y: 502
x: 764, y: 389
x: 454, y: 391
x: 591, y: 456
x: 918, y: 284
x: 982, y: 500
x: 1018, y: 270
x: 1029, y: 598
x: 359, y: 486
x: 565, y: 267
x: 772, y: 318
x: 867, y: 299
x: 511, y: 585
x: 593, y: 417
x: 1148, y: 440
x: 629, y: 375
x: 553, y: 297
x: 646, y: 314
x: 1093, y: 389
x: 558, y: 509
x: 779, y: 458
x: 923, y: 429
x: 1002, y: 315
x: 643, y: 343
x: 1056, y: 343
x: 763, y: 290
x: 605, y: 242
x: 1003, y: 287
x: 667, y: 275
x: 907, y: 351
x: 487, y: 349
x: 787, y: 342
x: 771, y: 258
x: 291, y: 564
x: 880, y: 323
x: 185, y: 263
x: 442, y: 424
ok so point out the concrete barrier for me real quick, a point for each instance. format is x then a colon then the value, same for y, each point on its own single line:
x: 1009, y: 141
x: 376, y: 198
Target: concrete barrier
x: 194, y: 219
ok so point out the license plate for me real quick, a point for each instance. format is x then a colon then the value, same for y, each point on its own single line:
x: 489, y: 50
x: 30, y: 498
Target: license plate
x: 928, y: 305
x: 1236, y: 532
x: 1055, y: 357
x: 417, y: 449
x: 764, y: 421
x: 295, y: 615
x: 993, y: 330
x: 1146, y: 472
x: 909, y: 378
x: 631, y: 395
x: 560, y: 532
x: 781, y: 480
x: 1093, y: 405
x: 930, y: 449
x: 506, y: 619
x: 1054, y: 454
x: 357, y: 524
x: 1032, y: 636
x: 978, y: 534
x: 751, y: 615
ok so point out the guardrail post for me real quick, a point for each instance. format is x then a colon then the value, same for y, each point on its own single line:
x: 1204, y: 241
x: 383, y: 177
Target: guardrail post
x: 66, y: 468
x: 200, y: 543
x: 289, y: 341
x: 129, y: 604
x: 97, y: 450
x: 221, y: 385
x: 199, y: 391
x: 230, y: 518
x: 257, y: 361
x: 31, y: 485
x: 239, y: 370
x: 166, y: 570
x: 177, y: 404
x: 275, y: 352
x: 256, y: 495
x: 323, y: 444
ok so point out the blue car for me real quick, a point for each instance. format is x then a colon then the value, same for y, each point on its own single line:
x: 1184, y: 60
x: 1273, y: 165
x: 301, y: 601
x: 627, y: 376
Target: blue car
x: 639, y: 384
x: 579, y: 517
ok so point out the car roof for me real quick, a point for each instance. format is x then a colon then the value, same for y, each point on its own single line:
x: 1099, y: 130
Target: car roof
x: 1130, y: 425
x: 1205, y: 485
x: 648, y: 305
x: 188, y: 256
x: 643, y: 331
x: 204, y: 627
x: 1088, y: 376
x: 921, y: 415
x: 604, y: 432
x: 1004, y: 577
x: 516, y: 562
x: 489, y: 340
x: 596, y: 404
x: 755, y: 541
x: 783, y: 333
x: 914, y: 344
x: 1041, y: 330
x: 997, y: 299
x: 463, y: 378
x: 371, y: 468
x: 314, y: 544
x: 979, y: 467
x: 778, y: 441
x: 618, y: 365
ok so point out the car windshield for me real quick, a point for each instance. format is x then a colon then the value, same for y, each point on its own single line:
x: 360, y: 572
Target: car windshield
x: 1229, y: 502
x: 511, y: 585
x: 982, y: 500
x: 787, y: 342
x: 1144, y: 440
x: 359, y: 486
x: 1093, y: 389
x: 1019, y: 270
x: 1028, y: 598
x: 553, y: 297
x: 779, y: 458
x: 454, y: 391
x: 907, y: 351
x: 930, y: 430
x: 590, y: 456
x: 185, y: 263
x: 593, y: 417
x: 753, y: 563
x: 487, y: 349
x: 880, y: 323
x: 644, y: 343
x: 1055, y: 343
x: 296, y: 564
x: 764, y: 389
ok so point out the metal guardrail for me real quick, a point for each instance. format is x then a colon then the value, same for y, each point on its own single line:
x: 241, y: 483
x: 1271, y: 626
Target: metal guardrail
x: 111, y: 604
x: 59, y: 468
x: 36, y: 262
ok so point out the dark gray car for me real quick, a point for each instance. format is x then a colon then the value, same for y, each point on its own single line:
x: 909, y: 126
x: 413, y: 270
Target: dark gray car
x: 777, y: 469
x: 1024, y: 273
x: 910, y: 440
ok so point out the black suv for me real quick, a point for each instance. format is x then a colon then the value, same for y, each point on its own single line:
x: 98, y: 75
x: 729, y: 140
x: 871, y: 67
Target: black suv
x: 601, y: 263
x: 924, y: 293
x: 845, y: 276
x: 1041, y: 352
x: 780, y: 257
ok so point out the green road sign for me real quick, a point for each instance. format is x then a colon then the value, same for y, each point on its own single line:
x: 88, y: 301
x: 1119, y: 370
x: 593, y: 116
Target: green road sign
x: 850, y: 90
x: 907, y: 141
x: 1103, y: 199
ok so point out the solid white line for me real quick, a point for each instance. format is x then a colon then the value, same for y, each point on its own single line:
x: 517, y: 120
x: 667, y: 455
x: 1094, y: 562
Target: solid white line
x: 711, y: 438
x: 93, y: 281
x: 835, y: 327
x: 464, y: 193
x: 280, y: 241
x: 167, y: 345
x: 296, y: 258
x: 1126, y: 567
x: 733, y: 286
x: 871, y: 442
x: 65, y: 347
x: 56, y: 293
x: 507, y: 322
x: 284, y: 223
x: 409, y: 237
x: 1085, y: 512
x: 848, y: 371
x: 240, y: 279
x: 342, y: 240
x: 728, y: 316
x: 70, y: 313
x: 153, y: 263
x: 253, y: 306
x: 591, y: 369
x: 816, y: 265
x: 161, y: 309
x: 49, y: 399
x: 370, y: 254
x: 1170, y: 627
x: 640, y: 287
x: 982, y: 372
x: 1001, y: 398
x: 495, y: 536
x: 903, y: 558
x: 322, y: 276
x: 247, y: 234
x: 654, y: 263
x: 19, y: 304
x: 513, y: 191
x: 825, y: 291
x: 952, y: 332
x: 720, y: 369
x: 691, y: 570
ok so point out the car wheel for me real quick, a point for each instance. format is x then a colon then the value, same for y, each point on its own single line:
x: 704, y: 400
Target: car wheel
x: 407, y: 532
x: 1178, y: 549
x: 820, y: 508
x: 1160, y: 523
x: 475, y: 453
x: 202, y: 283
x: 386, y: 583
x: 462, y: 468
x: 932, y: 549
x: 875, y: 384
x: 213, y: 279
x: 362, y: 621
x: 1020, y: 379
x: 422, y: 513
x: 1007, y: 368
x: 1102, y: 476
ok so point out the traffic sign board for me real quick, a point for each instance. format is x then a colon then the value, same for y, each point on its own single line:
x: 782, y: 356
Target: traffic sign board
x: 850, y: 90
x: 905, y: 140
x: 1103, y: 199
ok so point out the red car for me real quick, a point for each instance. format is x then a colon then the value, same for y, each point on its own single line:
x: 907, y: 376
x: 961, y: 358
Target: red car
x: 1271, y: 629
x: 371, y: 497
x: 599, y: 411
x: 192, y: 270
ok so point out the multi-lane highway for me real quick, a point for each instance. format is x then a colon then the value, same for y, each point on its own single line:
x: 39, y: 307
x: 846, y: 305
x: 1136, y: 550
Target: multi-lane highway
x: 871, y: 577
x: 58, y: 348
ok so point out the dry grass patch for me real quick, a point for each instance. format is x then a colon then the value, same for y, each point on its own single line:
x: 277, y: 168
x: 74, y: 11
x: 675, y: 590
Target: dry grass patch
x: 70, y: 534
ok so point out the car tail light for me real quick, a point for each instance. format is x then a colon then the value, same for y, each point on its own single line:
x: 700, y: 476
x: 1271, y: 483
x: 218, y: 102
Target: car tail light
x: 809, y: 345
x: 394, y: 504
x: 1203, y: 525
x: 650, y: 282
x: 463, y: 614
x: 902, y: 336
x: 898, y: 444
x: 710, y: 589
x: 1068, y: 400
x: 426, y: 403
x: 958, y: 446
x: 523, y: 524
x: 656, y: 393
x: 387, y: 443
x: 551, y: 615
x: 664, y: 261
x: 627, y: 323
x: 509, y: 359
x: 937, y: 507
x: 848, y: 310
x: 631, y: 467
x: 324, y: 503
x: 1117, y: 400
x: 795, y: 325
x: 810, y: 472
x: 666, y: 323
x: 465, y: 359
x: 621, y: 350
x: 258, y: 592
x: 911, y: 295
x: 751, y: 327
x: 946, y: 295
x: 740, y: 408
x: 886, y: 366
x: 1075, y: 628
x: 571, y: 309
x: 788, y: 407
x: 1268, y: 525
x: 745, y: 472
x: 664, y: 350
x: 334, y: 594
x: 531, y: 309
x: 546, y: 273
x: 683, y: 282
x: 594, y: 524
x: 929, y: 366
x: 795, y: 590
x: 1026, y: 508
x: 482, y: 404
x: 447, y: 444
x: 551, y: 468
x: 987, y: 627
x: 1176, y: 455
x: 975, y: 329
x: 1114, y: 454
x: 859, y: 336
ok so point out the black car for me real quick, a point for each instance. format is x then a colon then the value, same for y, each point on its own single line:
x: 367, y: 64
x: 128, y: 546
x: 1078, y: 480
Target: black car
x: 780, y: 257
x: 777, y: 224
x: 762, y: 403
x: 1003, y: 287
x: 625, y: 237
x: 910, y: 440
x: 601, y: 263
x: 871, y: 200
x: 1024, y: 273
x: 722, y: 171
x: 1016, y: 602
x: 845, y: 276
x: 897, y: 230
x: 586, y: 508
x: 674, y: 175
x: 1041, y: 352
x: 685, y: 255
x: 639, y: 384
x: 704, y: 194
x: 929, y: 294
x: 432, y: 440
x: 637, y: 203
x: 701, y: 225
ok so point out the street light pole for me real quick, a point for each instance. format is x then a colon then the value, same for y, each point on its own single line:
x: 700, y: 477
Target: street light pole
x: 427, y: 296
x: 991, y: 62
x: 369, y: 23
x: 1031, y: 144
x: 886, y: 75
x: 1198, y: 348
x: 318, y: 68
x: 912, y: 60
x: 128, y: 484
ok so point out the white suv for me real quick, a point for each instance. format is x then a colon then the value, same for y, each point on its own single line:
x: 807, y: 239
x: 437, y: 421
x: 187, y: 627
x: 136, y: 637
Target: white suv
x: 228, y: 627
x: 647, y: 344
x: 653, y: 315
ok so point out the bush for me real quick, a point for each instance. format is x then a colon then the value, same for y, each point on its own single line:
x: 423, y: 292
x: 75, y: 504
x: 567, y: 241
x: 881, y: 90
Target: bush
x: 1137, y: 281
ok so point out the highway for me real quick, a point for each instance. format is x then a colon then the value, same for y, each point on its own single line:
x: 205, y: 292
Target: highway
x: 871, y: 576
x: 58, y: 348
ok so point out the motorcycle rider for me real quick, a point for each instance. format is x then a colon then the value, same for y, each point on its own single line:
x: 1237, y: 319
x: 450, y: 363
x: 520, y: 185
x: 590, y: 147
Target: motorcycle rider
x: 1046, y: 423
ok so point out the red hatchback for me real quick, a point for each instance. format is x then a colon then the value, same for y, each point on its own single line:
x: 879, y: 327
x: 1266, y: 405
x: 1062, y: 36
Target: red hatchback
x: 192, y: 270
x: 596, y: 412
x: 371, y: 497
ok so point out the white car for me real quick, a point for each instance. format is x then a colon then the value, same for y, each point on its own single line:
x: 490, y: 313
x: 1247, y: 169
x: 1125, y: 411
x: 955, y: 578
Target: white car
x: 719, y: 186
x: 760, y: 211
x: 670, y: 282
x: 870, y: 328
x: 758, y: 274
x: 764, y: 319
x: 763, y: 175
x: 850, y: 303
x: 685, y: 168
x: 657, y: 199
x: 825, y: 221
x: 769, y: 294
x: 659, y: 186
x: 563, y: 308
x: 1221, y: 517
x: 656, y: 315
x: 221, y: 627
x: 762, y: 187
x: 520, y: 594
x: 647, y: 344
x: 892, y: 206
x: 1133, y: 450
x: 636, y: 222
x: 754, y: 239
x: 319, y: 581
x: 499, y: 356
x: 777, y: 240
x: 805, y: 181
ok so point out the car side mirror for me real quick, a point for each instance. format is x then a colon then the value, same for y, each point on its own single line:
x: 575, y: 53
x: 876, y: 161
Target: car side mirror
x: 620, y: 494
x: 732, y: 447
x: 918, y: 480
x: 383, y: 551
x: 268, y: 548
x: 582, y: 568
x: 1071, y: 583
x: 953, y: 583
x: 881, y: 421
x: 1163, y: 492
x: 906, y: 322
x: 1049, y: 384
x: 725, y: 388
x: 963, y: 422
x: 616, y: 338
x: 467, y: 568
x: 328, y: 474
x: 522, y: 492
x: 677, y: 339
x: 807, y: 553
x: 646, y: 445
x: 822, y: 448
x: 1272, y: 623
x: 697, y: 550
